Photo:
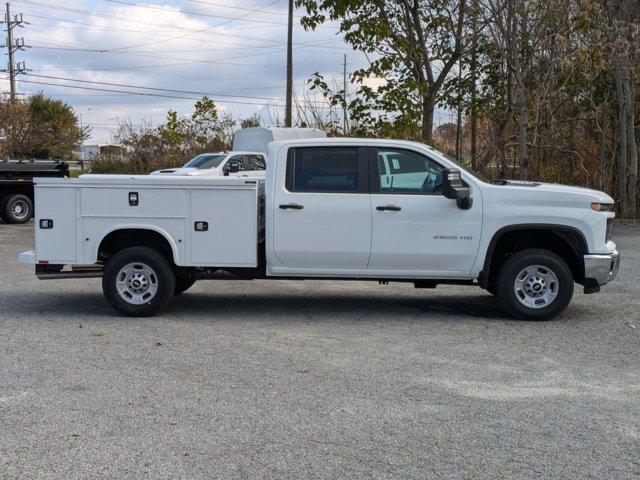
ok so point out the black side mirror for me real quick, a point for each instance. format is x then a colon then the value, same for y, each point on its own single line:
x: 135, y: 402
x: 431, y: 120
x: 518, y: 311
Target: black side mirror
x: 453, y: 188
x: 234, y: 167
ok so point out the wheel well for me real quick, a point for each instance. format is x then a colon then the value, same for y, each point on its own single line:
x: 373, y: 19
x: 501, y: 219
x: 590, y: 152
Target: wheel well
x: 567, y: 243
x: 132, y: 237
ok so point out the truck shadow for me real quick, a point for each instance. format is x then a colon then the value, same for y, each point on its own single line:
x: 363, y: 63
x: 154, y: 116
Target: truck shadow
x: 211, y: 307
x: 316, y: 306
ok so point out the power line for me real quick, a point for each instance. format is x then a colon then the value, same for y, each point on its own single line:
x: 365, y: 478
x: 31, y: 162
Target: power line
x: 199, y: 31
x: 239, y: 8
x: 91, y: 13
x: 145, y: 94
x: 311, y: 43
x: 170, y: 90
x: 200, y: 14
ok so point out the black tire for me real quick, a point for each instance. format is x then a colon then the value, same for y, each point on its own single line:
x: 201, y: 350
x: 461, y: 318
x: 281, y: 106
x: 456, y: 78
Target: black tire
x: 183, y: 284
x: 493, y: 290
x: 2, y: 208
x: 158, y: 276
x: 17, y: 209
x: 542, y: 286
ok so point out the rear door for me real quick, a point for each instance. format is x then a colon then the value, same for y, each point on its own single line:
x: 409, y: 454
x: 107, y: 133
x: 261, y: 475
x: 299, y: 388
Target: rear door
x: 322, y: 210
x: 414, y: 227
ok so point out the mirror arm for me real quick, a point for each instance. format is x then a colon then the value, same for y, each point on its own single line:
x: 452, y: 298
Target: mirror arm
x: 464, y: 203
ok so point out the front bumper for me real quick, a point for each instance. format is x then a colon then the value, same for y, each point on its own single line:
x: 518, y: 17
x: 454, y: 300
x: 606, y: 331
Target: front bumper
x: 601, y: 268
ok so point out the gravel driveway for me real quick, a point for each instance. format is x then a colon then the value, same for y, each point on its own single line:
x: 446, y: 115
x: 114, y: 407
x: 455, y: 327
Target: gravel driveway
x: 278, y: 379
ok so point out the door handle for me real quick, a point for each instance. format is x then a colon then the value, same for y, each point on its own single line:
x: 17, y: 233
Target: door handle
x: 388, y: 208
x: 292, y: 206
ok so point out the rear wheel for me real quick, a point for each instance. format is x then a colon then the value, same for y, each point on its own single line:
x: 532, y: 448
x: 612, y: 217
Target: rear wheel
x: 138, y: 282
x: 535, y: 284
x: 17, y: 208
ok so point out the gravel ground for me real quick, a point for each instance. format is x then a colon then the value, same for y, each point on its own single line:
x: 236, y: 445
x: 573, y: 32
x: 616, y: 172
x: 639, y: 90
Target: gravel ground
x: 276, y: 379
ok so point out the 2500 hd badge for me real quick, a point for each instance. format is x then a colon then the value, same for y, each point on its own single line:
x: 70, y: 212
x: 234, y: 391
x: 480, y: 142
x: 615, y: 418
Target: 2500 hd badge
x: 452, y: 237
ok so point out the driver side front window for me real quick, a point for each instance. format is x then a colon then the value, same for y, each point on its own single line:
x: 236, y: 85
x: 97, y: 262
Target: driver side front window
x: 237, y: 160
x: 405, y: 171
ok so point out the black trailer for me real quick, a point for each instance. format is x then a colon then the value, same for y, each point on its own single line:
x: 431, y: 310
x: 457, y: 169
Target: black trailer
x: 16, y: 187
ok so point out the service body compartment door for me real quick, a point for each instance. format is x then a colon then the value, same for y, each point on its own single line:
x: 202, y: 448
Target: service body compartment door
x: 110, y: 208
x: 224, y: 227
x: 57, y: 243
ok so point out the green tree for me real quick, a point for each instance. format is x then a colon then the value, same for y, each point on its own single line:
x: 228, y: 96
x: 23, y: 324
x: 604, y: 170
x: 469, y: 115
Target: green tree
x: 39, y: 127
x: 412, y: 45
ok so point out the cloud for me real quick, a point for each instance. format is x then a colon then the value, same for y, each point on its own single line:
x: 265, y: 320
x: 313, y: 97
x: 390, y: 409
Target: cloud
x: 159, y: 46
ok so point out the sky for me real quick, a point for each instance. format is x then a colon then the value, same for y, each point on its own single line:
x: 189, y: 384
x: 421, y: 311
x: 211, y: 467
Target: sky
x: 233, y: 51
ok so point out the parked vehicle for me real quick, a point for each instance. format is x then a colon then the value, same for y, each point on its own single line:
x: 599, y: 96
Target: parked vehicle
x: 384, y: 210
x: 16, y: 187
x: 241, y: 164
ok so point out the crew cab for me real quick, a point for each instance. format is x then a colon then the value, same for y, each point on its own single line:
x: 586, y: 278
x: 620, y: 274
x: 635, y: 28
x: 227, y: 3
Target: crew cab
x: 241, y: 164
x: 376, y: 210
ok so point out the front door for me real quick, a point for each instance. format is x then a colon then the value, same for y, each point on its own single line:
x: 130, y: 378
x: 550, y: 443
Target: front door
x: 322, y: 213
x: 414, y: 227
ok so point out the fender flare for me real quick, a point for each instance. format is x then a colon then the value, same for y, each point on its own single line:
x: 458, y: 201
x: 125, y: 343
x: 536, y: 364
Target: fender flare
x: 137, y: 226
x: 483, y: 278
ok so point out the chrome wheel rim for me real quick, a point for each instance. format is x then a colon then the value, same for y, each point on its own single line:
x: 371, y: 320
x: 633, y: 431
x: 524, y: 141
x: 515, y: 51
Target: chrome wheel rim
x: 20, y: 209
x: 536, y: 286
x: 137, y: 283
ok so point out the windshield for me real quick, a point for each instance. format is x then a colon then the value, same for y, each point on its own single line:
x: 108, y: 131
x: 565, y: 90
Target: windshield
x: 467, y: 169
x: 206, y: 160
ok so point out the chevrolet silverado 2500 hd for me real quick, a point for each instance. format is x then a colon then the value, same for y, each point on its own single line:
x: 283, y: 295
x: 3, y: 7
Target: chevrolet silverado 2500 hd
x: 328, y: 209
x: 221, y: 164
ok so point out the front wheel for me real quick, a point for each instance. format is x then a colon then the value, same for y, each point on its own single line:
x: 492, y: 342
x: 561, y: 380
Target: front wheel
x: 535, y: 284
x: 138, y: 282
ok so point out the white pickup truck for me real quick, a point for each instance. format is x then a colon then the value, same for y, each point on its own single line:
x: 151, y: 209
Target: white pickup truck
x: 382, y: 210
x: 221, y: 164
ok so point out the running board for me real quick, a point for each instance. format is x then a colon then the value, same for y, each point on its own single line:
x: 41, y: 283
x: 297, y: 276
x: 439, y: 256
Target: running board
x: 59, y: 275
x: 49, y: 272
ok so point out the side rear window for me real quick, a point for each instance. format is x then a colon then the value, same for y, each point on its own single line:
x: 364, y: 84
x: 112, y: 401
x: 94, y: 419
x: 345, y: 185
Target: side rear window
x: 325, y: 169
x: 256, y: 162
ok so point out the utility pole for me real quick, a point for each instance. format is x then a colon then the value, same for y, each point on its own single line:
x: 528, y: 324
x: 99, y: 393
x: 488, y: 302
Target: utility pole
x: 287, y: 113
x: 13, y: 69
x: 344, y: 97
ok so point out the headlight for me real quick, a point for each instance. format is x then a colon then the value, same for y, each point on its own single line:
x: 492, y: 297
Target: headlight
x: 602, y: 207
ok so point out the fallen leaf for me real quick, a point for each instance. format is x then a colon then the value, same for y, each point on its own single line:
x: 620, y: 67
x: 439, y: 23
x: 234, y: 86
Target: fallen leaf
x: 419, y: 398
x: 303, y: 370
x: 286, y: 338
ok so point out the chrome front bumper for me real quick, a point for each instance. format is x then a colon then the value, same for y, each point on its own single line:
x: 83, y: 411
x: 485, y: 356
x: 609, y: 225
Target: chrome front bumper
x: 601, y: 268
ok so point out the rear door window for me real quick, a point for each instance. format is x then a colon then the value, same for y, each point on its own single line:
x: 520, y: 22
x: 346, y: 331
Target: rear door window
x: 327, y: 169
